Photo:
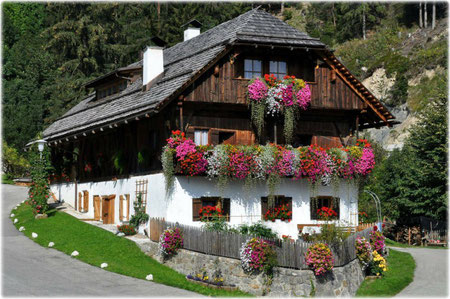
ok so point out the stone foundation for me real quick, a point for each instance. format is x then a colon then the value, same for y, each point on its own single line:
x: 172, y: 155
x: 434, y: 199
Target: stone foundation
x: 343, y: 281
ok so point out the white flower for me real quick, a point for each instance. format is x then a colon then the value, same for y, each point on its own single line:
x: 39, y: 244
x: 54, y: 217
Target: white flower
x: 75, y: 253
x: 149, y: 277
x: 34, y: 235
x: 103, y: 265
x: 51, y: 244
x: 21, y: 229
x: 16, y: 220
x: 12, y: 215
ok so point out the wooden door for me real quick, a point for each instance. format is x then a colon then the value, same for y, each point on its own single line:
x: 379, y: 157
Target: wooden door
x: 108, y: 209
x: 97, y: 207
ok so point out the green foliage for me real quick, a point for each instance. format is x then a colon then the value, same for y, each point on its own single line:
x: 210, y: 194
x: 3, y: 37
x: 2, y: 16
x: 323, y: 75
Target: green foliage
x: 413, y: 181
x: 331, y: 234
x: 139, y: 217
x: 168, y: 166
x: 257, y: 116
x: 428, y: 89
x: 40, y: 170
x: 119, y: 161
x: 97, y: 246
x: 217, y: 224
x: 14, y: 165
x: 257, y: 229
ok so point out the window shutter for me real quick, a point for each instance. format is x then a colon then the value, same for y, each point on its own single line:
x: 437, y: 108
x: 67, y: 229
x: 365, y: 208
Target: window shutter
x: 79, y: 201
x: 190, y: 133
x: 264, y: 206
x: 120, y: 207
x: 127, y: 196
x: 226, y: 208
x: 86, y: 200
x: 196, y: 206
x: 214, y: 137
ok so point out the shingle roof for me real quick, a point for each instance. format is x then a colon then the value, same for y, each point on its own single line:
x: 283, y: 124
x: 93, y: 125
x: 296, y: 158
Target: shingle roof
x: 181, y: 63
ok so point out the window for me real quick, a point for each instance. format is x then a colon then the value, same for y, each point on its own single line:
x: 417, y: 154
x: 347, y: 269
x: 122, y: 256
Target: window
x: 278, y: 68
x: 279, y: 202
x: 324, y: 201
x: 201, y: 137
x: 252, y: 68
x: 112, y: 89
x: 222, y: 203
x: 226, y: 137
x: 301, y: 140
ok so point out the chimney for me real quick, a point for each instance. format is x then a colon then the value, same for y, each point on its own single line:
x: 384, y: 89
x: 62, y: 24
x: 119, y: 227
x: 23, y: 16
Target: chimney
x: 153, y: 61
x: 192, y: 30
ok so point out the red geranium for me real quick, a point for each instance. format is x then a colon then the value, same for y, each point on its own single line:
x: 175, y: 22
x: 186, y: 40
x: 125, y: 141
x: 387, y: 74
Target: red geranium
x: 326, y: 213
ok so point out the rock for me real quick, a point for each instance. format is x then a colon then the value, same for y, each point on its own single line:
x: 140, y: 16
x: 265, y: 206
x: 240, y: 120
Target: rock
x: 41, y: 216
x: 103, y: 265
x: 34, y: 235
x: 51, y: 244
x: 12, y: 215
x: 120, y: 234
x: 16, y: 220
x: 21, y: 229
x: 149, y: 277
x: 75, y: 253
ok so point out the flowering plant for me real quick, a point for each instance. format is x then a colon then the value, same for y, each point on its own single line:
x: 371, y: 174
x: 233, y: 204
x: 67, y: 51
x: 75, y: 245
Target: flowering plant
x: 128, y: 230
x: 170, y: 241
x: 378, y: 265
x: 258, y: 255
x: 209, y: 212
x: 264, y: 162
x: 320, y: 258
x: 377, y: 241
x: 362, y: 217
x: 326, y: 213
x: 363, y: 251
x: 271, y: 96
x: 280, y: 212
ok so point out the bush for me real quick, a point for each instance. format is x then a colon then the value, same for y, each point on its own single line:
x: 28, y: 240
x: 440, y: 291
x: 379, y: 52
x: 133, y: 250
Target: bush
x: 170, y: 241
x: 377, y: 241
x: 363, y: 251
x: 378, y: 265
x: 139, y: 217
x: 257, y: 229
x: 128, y: 230
x: 13, y: 164
x: 320, y: 258
x: 258, y: 255
x: 39, y: 190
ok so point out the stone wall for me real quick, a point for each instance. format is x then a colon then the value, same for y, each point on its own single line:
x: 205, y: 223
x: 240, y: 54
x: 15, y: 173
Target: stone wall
x: 343, y: 281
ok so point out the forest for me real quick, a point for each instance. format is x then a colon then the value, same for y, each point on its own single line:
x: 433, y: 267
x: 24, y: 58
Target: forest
x: 51, y: 49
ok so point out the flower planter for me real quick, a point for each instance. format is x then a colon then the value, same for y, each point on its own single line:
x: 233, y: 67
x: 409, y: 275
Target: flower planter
x: 211, y: 285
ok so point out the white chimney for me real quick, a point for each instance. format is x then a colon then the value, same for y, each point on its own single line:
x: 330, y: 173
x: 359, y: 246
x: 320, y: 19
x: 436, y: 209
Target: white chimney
x: 153, y: 64
x: 192, y: 30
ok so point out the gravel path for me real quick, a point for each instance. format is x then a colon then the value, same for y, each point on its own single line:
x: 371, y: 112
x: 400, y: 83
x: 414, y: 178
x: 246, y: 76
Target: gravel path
x: 430, y: 275
x: 31, y: 270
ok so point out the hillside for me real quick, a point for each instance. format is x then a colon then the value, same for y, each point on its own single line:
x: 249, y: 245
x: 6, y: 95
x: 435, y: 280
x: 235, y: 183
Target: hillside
x: 404, y: 74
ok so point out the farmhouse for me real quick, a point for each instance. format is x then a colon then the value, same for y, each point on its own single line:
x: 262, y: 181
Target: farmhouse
x: 107, y: 149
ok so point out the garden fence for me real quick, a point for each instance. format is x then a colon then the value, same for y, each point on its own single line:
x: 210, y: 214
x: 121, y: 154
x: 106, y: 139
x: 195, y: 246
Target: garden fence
x: 290, y: 254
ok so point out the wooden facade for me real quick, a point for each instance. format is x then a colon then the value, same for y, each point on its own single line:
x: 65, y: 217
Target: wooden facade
x: 216, y: 102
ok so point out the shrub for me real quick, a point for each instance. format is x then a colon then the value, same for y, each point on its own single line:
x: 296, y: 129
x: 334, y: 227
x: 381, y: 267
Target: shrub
x: 139, y: 217
x: 170, y: 241
x: 128, y: 230
x: 363, y: 251
x: 257, y: 229
x: 258, y: 255
x: 378, y: 265
x: 320, y: 258
x: 377, y: 241
x: 39, y: 190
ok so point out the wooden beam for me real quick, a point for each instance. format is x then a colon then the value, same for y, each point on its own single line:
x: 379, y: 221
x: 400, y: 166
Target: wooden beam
x: 358, y: 92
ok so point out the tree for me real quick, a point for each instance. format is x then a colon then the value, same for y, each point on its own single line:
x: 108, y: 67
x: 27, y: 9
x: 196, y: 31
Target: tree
x: 420, y: 15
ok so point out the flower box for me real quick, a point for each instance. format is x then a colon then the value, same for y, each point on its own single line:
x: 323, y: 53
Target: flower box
x: 211, y: 285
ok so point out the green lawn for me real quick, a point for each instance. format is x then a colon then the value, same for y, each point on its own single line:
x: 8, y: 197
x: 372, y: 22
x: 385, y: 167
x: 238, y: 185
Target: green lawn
x: 400, y: 273
x: 97, y: 246
x: 390, y: 242
x: 6, y: 179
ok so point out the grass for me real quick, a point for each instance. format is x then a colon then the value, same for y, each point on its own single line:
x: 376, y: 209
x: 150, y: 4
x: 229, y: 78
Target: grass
x: 97, y: 246
x: 390, y: 242
x: 7, y: 180
x: 400, y: 273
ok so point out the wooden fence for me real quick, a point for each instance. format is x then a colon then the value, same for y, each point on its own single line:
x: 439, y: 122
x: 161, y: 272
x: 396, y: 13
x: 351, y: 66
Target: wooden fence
x: 289, y: 254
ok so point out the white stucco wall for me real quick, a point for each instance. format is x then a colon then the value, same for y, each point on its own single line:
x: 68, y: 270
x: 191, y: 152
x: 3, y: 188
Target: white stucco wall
x: 245, y: 205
